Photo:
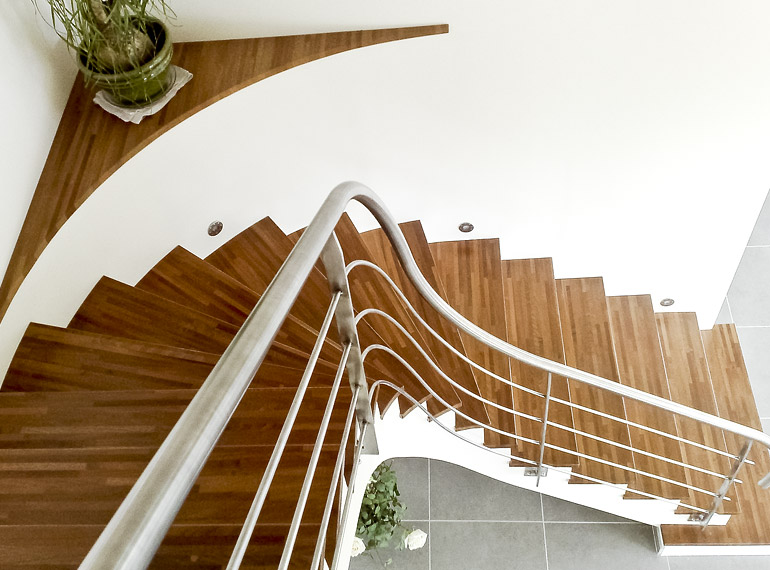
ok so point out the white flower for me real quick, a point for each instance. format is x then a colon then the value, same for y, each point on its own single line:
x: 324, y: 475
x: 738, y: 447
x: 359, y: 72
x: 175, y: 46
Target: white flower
x: 415, y: 539
x: 358, y: 547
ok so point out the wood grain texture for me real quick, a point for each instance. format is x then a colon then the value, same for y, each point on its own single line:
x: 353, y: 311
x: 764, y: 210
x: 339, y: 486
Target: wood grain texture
x: 736, y: 402
x: 383, y: 255
x: 588, y: 346
x: 532, y: 317
x: 56, y: 359
x: 472, y: 276
x: 640, y: 366
x: 186, y: 279
x: 369, y: 290
x: 690, y: 384
x: 143, y: 418
x: 116, y: 309
x: 90, y: 145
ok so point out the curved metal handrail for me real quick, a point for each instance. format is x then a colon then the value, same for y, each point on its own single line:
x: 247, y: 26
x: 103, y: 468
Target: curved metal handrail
x: 332, y: 209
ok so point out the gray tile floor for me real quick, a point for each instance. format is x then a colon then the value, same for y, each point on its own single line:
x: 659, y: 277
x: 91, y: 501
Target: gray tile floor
x: 748, y: 306
x: 476, y: 523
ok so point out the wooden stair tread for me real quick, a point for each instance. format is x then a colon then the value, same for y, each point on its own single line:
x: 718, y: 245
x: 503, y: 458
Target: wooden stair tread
x: 143, y: 418
x: 472, y: 276
x: 588, y: 346
x: 735, y: 400
x: 205, y: 547
x: 640, y: 366
x: 117, y: 309
x: 255, y: 255
x: 216, y: 293
x: 532, y: 317
x: 690, y: 384
x: 383, y: 255
x: 54, y: 358
x: 85, y: 486
x: 369, y: 289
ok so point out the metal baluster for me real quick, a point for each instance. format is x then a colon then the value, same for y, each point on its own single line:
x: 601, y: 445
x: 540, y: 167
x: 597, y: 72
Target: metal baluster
x: 291, y: 538
x: 349, y: 496
x: 542, y: 434
x: 339, y: 467
x: 272, y: 466
x: 727, y: 482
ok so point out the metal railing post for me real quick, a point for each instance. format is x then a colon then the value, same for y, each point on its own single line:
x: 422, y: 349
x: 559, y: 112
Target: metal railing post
x: 542, y: 433
x: 737, y: 464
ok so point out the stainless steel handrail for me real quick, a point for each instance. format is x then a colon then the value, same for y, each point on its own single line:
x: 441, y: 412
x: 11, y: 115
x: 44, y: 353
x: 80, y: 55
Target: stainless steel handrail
x: 335, y: 204
x: 135, y: 532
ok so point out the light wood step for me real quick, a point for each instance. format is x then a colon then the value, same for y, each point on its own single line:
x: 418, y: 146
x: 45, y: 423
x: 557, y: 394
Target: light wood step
x: 735, y: 401
x: 690, y: 384
x: 369, y: 290
x: 472, y: 277
x: 384, y: 256
x: 640, y: 366
x: 186, y: 279
x: 588, y: 346
x: 532, y: 317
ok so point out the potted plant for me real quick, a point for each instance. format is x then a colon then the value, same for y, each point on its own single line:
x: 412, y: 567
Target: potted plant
x: 119, y: 45
x: 379, y: 520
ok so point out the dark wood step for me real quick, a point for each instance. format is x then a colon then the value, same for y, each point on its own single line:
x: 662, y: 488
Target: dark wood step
x: 735, y: 400
x: 116, y: 309
x: 640, y: 366
x: 585, y: 324
x: 188, y: 280
x: 690, y: 384
x: 383, y: 255
x: 85, y: 486
x: 57, y: 359
x: 471, y: 272
x: 201, y: 547
x: 143, y: 418
x: 255, y: 255
x: 369, y: 290
x: 532, y: 317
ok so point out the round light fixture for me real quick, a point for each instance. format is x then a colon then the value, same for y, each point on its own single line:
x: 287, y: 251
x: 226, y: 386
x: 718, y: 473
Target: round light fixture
x: 667, y: 302
x: 465, y: 227
x: 215, y: 228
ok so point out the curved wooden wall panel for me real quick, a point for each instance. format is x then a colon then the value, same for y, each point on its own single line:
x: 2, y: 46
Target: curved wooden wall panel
x: 90, y: 144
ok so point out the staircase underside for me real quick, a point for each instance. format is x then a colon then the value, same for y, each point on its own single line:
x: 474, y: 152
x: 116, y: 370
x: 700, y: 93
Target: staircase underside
x: 84, y: 407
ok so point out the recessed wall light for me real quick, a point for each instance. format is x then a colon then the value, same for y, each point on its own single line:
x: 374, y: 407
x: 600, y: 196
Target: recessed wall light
x: 667, y: 302
x: 465, y: 227
x: 215, y: 228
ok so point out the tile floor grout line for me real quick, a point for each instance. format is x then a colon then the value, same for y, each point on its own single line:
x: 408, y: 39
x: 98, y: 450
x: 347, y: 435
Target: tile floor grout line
x: 630, y: 522
x: 545, y: 540
x: 430, y: 527
x: 729, y: 309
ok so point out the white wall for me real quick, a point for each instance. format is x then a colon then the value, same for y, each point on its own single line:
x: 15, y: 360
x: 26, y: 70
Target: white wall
x: 623, y: 139
x: 37, y: 76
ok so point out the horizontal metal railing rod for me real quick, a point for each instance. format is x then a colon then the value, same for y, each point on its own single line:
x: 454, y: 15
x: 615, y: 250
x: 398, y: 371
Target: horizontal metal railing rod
x: 365, y: 263
x: 272, y: 465
x: 524, y: 415
x: 437, y: 421
x: 517, y: 437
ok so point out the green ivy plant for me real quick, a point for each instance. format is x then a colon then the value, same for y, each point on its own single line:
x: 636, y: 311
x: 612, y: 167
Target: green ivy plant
x: 380, y: 518
x: 381, y: 509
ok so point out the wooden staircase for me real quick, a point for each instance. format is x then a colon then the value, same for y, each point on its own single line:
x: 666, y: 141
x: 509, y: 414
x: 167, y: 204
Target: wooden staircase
x: 84, y: 408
